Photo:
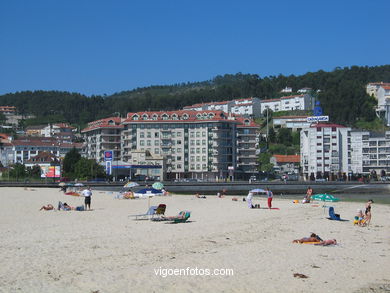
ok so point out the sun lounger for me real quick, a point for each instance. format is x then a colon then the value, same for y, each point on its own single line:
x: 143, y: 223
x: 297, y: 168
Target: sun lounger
x: 182, y: 217
x: 334, y: 216
x: 160, y: 211
x: 145, y: 216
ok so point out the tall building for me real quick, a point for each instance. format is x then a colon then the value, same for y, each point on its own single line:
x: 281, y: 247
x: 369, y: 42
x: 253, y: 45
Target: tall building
x: 325, y: 151
x: 103, y: 135
x: 370, y: 152
x: 195, y: 144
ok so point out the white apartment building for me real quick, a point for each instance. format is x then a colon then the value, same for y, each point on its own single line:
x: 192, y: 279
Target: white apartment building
x: 288, y: 103
x: 249, y: 107
x: 370, y: 152
x: 103, y: 135
x: 325, y: 151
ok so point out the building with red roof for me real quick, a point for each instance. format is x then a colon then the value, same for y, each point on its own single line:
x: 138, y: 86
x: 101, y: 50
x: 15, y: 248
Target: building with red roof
x: 205, y: 144
x: 286, y: 164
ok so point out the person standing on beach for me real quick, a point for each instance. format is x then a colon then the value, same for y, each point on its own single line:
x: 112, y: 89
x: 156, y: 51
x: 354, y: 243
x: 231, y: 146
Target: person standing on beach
x: 249, y: 200
x: 269, y: 195
x: 367, y: 213
x: 87, y: 193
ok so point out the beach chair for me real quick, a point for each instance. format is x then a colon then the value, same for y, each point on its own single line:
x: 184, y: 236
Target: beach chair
x: 145, y: 216
x: 182, y: 217
x: 334, y: 216
x: 160, y: 211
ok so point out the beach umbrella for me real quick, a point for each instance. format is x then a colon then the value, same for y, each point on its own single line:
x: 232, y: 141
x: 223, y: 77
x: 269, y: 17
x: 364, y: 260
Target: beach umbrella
x: 147, y: 192
x: 131, y: 184
x: 79, y: 184
x: 325, y: 197
x: 257, y: 190
x: 62, y: 184
x: 158, y: 185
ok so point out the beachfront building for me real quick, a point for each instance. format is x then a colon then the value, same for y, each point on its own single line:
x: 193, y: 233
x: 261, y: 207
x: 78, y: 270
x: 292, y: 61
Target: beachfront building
x: 248, y: 107
x: 288, y: 103
x: 144, y: 163
x: 247, y: 143
x: 194, y: 144
x: 325, y: 151
x: 103, y: 135
x: 370, y: 152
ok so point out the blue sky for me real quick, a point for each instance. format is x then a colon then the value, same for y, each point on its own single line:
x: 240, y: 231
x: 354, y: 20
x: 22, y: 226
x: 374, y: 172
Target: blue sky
x: 102, y: 47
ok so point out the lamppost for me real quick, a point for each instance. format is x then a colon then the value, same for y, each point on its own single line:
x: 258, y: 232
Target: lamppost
x: 116, y: 164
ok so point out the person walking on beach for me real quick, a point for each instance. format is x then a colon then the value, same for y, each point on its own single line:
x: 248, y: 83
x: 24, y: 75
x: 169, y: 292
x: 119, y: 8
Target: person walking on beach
x: 87, y: 193
x: 269, y: 195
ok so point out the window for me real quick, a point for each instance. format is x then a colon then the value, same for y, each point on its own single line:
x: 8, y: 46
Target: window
x: 178, y: 166
x: 148, y: 143
x: 178, y: 158
x: 149, y: 135
x: 197, y: 158
x: 156, y: 142
x: 141, y: 142
x: 203, y: 150
x: 318, y: 128
x: 178, y: 142
x: 203, y: 133
x: 192, y: 142
x: 141, y: 134
x: 156, y: 151
x: 203, y: 142
x: 178, y: 134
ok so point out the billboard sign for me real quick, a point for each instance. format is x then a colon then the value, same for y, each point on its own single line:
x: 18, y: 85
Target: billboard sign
x: 317, y: 118
x: 108, y: 155
x: 50, y: 171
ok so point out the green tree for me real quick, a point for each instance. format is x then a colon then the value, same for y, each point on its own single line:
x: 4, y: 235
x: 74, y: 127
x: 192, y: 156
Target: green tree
x: 264, y: 162
x: 69, y: 163
x: 17, y: 171
x: 88, y: 169
x: 34, y: 171
x: 284, y: 136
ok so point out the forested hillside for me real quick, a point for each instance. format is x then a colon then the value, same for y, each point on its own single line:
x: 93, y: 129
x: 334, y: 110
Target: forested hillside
x: 342, y: 96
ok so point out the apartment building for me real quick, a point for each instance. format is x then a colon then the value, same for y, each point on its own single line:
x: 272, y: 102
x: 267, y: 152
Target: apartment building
x: 370, y: 152
x: 103, y: 135
x: 195, y: 144
x: 288, y: 103
x: 59, y: 130
x: 248, y: 107
x: 23, y: 149
x: 325, y: 151
x: 247, y: 143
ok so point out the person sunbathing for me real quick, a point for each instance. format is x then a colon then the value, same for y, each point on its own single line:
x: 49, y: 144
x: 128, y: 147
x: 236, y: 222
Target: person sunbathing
x: 313, y: 238
x: 327, y: 242
x: 197, y: 195
x: 48, y: 207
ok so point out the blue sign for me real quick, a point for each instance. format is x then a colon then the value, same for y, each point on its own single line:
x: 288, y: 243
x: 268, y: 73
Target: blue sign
x: 108, y: 168
x: 317, y: 111
x: 108, y: 155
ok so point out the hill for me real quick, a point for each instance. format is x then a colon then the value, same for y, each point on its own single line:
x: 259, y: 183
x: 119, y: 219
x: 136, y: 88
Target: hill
x: 342, y: 96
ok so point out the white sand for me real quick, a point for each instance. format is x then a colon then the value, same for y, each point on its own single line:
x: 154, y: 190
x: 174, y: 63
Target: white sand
x: 104, y: 250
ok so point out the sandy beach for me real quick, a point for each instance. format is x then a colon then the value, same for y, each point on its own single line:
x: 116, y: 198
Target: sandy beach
x: 105, y: 250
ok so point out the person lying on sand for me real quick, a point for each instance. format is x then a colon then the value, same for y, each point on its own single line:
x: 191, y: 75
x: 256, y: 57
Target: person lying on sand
x: 197, y: 195
x: 48, y: 207
x: 65, y: 207
x: 327, y: 242
x: 313, y: 238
